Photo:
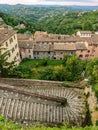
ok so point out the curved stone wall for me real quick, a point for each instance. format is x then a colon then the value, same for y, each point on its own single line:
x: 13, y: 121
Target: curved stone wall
x: 42, y: 103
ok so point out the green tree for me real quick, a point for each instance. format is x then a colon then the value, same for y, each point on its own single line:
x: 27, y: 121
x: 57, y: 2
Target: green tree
x: 47, y: 74
x: 59, y: 73
x: 6, y: 67
x: 74, y: 67
x: 22, y: 72
x: 92, y: 70
x: 87, y: 25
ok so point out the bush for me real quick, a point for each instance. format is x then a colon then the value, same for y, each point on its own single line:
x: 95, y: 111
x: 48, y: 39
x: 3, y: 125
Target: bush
x: 95, y: 88
x: 22, y: 72
x: 44, y: 61
x: 47, y: 74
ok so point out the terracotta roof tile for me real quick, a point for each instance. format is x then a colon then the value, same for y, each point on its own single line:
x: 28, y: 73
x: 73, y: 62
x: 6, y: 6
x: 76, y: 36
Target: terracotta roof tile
x: 45, y: 47
x: 85, y: 32
x: 5, y: 34
x: 69, y: 46
x: 24, y: 36
x: 26, y: 44
x: 80, y: 46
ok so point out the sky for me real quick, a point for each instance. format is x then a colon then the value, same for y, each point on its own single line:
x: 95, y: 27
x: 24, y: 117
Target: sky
x: 52, y: 2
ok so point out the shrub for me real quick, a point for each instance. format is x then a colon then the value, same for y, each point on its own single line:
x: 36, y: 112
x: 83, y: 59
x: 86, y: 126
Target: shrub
x: 47, y: 74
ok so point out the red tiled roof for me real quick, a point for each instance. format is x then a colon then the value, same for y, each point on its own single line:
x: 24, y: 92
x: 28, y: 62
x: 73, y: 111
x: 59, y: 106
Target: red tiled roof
x: 69, y: 46
x: 26, y: 44
x: 80, y: 46
x: 45, y: 47
x: 24, y: 36
x: 6, y: 34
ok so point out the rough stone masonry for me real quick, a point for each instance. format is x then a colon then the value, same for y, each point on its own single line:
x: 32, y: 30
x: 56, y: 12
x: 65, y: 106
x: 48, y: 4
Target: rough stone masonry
x: 47, y: 102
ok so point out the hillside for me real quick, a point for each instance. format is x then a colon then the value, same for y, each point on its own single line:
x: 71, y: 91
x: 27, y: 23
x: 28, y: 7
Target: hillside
x: 35, y: 13
x: 70, y: 23
x: 53, y: 19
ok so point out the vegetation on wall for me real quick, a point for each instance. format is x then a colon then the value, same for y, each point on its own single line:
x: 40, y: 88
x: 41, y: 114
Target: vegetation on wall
x: 11, y: 125
x: 6, y: 68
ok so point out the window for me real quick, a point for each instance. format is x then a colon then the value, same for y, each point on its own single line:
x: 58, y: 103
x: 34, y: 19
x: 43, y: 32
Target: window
x: 16, y: 46
x: 13, y: 49
x: 54, y: 57
x: 80, y: 56
x: 6, y: 44
x: 52, y: 43
x: 15, y: 58
x: 29, y: 56
x: 88, y: 51
x: 59, y: 37
x: 9, y: 54
x: 14, y: 37
x: 86, y: 55
x: 54, y: 53
x: 44, y: 46
x: 11, y: 40
x: 37, y: 53
x: 93, y: 50
x: 29, y: 51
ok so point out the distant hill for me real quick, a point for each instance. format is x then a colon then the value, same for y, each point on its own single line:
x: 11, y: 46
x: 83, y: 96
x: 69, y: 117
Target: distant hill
x: 36, y: 12
x: 53, y: 19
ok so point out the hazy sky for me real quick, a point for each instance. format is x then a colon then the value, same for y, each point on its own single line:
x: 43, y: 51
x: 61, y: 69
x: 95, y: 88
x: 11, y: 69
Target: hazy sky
x: 51, y: 2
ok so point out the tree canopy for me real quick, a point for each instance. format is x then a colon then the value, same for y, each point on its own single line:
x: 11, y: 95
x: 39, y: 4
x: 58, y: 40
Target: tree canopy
x: 6, y: 68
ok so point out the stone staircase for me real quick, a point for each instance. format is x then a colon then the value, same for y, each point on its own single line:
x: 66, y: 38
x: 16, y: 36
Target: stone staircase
x: 37, y: 103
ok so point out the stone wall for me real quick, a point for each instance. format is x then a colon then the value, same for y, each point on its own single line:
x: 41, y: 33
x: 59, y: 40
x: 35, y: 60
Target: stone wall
x: 29, y: 82
x: 47, y: 102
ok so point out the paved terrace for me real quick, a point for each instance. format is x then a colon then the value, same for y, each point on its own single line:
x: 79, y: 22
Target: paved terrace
x: 30, y: 101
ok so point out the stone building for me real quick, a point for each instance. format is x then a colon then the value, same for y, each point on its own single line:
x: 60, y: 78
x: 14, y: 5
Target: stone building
x: 8, y: 40
x: 84, y: 33
x: 26, y: 46
x: 91, y: 47
x: 46, y: 45
x: 55, y: 46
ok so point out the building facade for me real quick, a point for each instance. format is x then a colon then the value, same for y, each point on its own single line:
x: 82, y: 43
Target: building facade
x: 8, y: 41
x: 54, y: 46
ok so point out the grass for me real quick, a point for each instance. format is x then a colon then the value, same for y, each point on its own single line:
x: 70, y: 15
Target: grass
x: 11, y: 125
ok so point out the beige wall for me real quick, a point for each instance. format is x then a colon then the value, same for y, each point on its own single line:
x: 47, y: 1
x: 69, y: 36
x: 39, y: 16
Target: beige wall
x: 83, y: 34
x: 59, y: 55
x: 26, y: 53
x: 11, y: 44
x: 95, y: 50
